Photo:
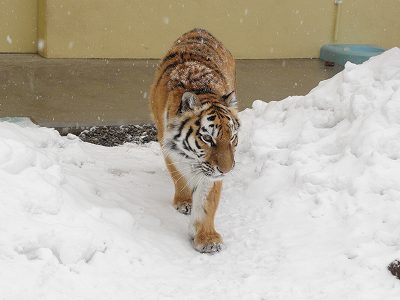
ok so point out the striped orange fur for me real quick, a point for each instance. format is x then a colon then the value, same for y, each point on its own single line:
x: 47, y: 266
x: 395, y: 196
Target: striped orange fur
x: 194, y: 107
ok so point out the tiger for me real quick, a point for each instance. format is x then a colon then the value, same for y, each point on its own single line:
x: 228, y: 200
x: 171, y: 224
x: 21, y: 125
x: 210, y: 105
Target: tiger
x: 195, y: 110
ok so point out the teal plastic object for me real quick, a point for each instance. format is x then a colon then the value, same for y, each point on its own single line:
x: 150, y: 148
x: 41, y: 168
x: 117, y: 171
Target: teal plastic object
x: 342, y: 53
x: 21, y: 121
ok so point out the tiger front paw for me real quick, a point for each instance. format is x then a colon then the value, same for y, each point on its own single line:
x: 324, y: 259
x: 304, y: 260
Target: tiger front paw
x: 211, y: 243
x: 184, y: 207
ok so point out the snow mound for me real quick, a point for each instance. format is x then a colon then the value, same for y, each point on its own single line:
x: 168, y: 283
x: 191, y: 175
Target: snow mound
x: 310, y: 212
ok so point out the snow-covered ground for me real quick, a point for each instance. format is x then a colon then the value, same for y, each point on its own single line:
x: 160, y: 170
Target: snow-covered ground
x: 312, y: 210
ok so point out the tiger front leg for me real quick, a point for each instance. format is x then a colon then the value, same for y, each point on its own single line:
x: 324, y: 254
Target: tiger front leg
x: 205, y: 202
x: 183, y: 194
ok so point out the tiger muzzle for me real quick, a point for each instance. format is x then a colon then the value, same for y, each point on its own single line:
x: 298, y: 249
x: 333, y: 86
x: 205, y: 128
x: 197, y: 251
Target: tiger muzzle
x: 225, y: 160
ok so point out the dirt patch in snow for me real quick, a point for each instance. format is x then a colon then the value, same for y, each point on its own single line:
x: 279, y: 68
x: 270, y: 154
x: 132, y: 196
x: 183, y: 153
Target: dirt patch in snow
x: 394, y: 268
x: 117, y: 135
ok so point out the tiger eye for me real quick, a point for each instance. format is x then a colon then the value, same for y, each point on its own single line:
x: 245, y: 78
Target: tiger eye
x: 207, y: 138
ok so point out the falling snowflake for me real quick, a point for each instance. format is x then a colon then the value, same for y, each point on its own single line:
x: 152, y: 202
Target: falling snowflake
x: 40, y: 44
x: 9, y: 39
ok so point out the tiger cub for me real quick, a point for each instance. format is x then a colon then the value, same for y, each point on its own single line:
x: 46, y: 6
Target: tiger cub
x: 194, y: 107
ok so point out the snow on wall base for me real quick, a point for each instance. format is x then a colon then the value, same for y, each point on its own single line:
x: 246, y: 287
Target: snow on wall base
x: 310, y: 212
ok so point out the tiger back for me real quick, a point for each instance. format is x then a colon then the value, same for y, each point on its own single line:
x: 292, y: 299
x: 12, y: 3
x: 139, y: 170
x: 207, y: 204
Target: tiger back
x: 194, y: 107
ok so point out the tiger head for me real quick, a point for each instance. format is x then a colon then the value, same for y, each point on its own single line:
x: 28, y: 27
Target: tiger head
x: 204, y: 134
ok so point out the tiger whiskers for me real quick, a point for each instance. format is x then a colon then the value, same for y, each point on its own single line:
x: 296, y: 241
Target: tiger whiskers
x: 169, y: 153
x: 191, y: 180
x: 193, y: 169
x: 182, y: 176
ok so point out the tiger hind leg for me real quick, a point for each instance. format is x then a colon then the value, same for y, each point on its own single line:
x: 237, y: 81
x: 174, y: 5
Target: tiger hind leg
x: 183, y: 194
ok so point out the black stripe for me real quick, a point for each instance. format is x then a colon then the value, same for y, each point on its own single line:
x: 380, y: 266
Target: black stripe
x: 173, y: 146
x: 183, y: 154
x: 227, y: 95
x: 189, y: 132
x: 197, y: 144
x: 180, y: 128
x: 186, y: 141
x: 203, y: 91
x: 198, y: 132
x: 237, y: 123
x: 186, y: 145
x: 171, y: 66
x: 211, y: 118
x: 169, y: 56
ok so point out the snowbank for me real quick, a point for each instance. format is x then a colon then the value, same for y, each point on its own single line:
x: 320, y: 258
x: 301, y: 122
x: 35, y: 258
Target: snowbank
x: 310, y: 212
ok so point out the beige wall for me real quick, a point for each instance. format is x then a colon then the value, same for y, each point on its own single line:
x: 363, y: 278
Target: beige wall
x: 18, y: 26
x: 146, y: 28
x: 370, y: 22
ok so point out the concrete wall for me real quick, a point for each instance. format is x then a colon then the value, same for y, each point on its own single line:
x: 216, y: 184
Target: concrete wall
x: 146, y: 28
x: 18, y: 26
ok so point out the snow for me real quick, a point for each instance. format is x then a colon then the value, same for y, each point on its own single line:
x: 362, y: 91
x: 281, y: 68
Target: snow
x: 311, y: 210
x: 165, y: 20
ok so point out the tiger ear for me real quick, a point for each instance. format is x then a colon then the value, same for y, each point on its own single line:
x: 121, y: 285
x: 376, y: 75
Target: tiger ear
x: 230, y: 99
x: 189, y: 102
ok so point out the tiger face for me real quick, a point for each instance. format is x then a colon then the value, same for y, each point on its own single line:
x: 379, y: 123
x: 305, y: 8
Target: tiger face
x: 203, y: 137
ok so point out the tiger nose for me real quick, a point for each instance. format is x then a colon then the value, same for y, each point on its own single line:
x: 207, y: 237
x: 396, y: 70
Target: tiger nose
x: 225, y: 169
